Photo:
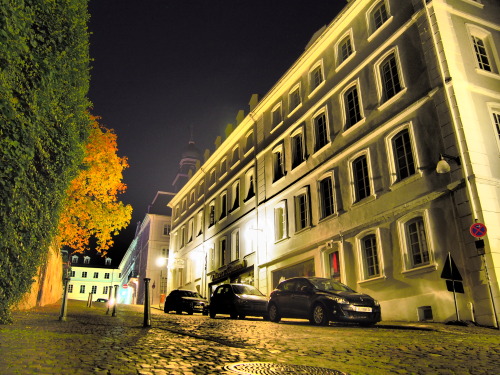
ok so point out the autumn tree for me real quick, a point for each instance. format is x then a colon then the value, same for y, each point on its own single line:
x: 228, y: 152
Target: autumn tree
x: 92, y: 209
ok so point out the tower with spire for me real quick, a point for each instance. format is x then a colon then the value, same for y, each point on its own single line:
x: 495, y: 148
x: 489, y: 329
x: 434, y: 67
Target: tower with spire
x: 190, y: 156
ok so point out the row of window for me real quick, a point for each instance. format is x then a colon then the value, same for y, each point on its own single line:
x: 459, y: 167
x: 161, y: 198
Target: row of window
x: 86, y: 260
x: 93, y: 290
x: 96, y: 274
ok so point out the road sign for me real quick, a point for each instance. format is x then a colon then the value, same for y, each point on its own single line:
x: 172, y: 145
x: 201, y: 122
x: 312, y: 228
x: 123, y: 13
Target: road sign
x: 478, y: 230
x: 455, y: 286
x: 450, y: 270
x: 125, y: 286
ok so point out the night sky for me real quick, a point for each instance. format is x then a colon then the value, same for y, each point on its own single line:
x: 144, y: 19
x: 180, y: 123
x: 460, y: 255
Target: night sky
x: 162, y: 67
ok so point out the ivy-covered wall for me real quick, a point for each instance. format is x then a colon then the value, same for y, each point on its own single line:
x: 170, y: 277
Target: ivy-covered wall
x: 44, y: 80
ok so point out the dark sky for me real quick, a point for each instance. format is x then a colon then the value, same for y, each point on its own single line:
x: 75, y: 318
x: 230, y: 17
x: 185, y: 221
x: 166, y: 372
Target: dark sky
x: 163, y: 66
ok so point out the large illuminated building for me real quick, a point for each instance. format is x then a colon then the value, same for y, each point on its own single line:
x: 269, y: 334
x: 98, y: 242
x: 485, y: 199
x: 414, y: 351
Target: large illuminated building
x: 368, y: 162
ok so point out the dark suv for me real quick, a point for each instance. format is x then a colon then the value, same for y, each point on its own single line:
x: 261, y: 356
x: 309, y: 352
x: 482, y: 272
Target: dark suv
x: 321, y: 300
x: 180, y: 300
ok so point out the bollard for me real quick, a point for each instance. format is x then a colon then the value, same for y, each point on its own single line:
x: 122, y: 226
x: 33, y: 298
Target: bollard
x: 116, y: 301
x: 62, y: 316
x: 109, y: 298
x: 89, y: 300
x: 147, y: 304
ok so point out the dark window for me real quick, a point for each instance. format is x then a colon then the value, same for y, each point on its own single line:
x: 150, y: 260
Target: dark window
x: 481, y: 54
x: 390, y: 77
x: 417, y: 243
x: 361, y: 178
x: 353, y: 113
x: 302, y: 211
x: 294, y: 99
x: 316, y: 77
x: 326, y: 197
x: 379, y: 15
x: 320, y: 131
x: 345, y: 49
x: 278, y: 164
x: 371, y: 255
x: 211, y: 214
x: 298, y: 154
x: 405, y: 165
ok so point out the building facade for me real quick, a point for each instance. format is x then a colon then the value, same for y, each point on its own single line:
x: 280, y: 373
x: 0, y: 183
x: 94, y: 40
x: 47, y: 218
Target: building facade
x: 92, y: 275
x: 368, y: 162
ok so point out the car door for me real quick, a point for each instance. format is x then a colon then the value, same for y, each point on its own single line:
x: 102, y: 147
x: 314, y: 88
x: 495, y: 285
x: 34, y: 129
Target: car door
x: 300, y: 298
x: 283, y: 298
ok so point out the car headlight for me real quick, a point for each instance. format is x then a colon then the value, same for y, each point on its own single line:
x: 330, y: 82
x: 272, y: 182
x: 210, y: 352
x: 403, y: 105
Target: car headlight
x: 376, y: 303
x: 339, y: 300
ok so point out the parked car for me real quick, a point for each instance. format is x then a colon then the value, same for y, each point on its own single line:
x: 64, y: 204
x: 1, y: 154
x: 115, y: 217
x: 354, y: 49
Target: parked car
x: 101, y: 300
x: 180, y: 300
x: 238, y: 300
x: 321, y: 300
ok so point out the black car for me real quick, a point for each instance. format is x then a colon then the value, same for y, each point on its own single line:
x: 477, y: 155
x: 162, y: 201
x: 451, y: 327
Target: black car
x: 321, y: 300
x: 180, y: 300
x: 238, y: 300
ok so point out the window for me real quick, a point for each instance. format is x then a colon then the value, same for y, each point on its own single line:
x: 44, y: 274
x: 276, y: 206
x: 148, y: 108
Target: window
x: 298, y: 147
x: 106, y: 275
x: 86, y: 260
x: 201, y: 190
x: 73, y: 273
x: 249, y: 142
x: 94, y: 289
x: 280, y: 222
x: 222, y: 251
x: 199, y: 223
x: 166, y: 229
x: 378, y: 15
x: 294, y: 99
x: 74, y: 259
x: 276, y: 116
x: 223, y: 205
x: 107, y: 261
x: 495, y: 114
x: 352, y: 107
x: 223, y: 167
x: 344, y: 49
x: 192, y: 198
x: 235, y: 195
x: 211, y: 214
x: 418, y: 251
x: 212, y: 177
x: 316, y: 77
x: 184, y: 205
x: 84, y: 274
x: 235, y: 245
x: 182, y: 237
x: 105, y: 290
x: 370, y: 256
x: 190, y: 230
x: 70, y: 288
x: 361, y: 178
x: 212, y: 258
x: 236, y: 156
x: 320, y: 131
x: 82, y: 289
x: 403, y: 156
x: 249, y: 184
x: 483, y: 49
x: 390, y: 80
x: 302, y: 214
x: 96, y: 275
x: 278, y: 163
x: 326, y: 197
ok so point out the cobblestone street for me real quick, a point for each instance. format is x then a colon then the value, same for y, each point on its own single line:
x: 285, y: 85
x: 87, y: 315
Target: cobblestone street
x: 91, y: 342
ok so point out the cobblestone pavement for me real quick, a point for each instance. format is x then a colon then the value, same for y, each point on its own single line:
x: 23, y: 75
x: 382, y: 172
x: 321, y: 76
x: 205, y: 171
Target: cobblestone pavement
x: 91, y: 342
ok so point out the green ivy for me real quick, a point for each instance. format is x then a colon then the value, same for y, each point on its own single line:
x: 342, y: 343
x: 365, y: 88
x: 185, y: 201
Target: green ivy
x: 44, y: 81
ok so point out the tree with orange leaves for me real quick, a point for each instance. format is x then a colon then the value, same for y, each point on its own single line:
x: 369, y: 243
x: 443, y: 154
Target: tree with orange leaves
x: 92, y: 208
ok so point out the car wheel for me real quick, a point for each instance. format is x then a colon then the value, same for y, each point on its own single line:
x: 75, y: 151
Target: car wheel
x: 319, y: 315
x: 212, y: 314
x: 234, y: 315
x: 165, y: 309
x: 274, y: 315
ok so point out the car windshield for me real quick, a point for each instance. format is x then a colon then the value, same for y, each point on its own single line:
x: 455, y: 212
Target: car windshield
x: 246, y: 289
x: 329, y: 285
x: 188, y: 293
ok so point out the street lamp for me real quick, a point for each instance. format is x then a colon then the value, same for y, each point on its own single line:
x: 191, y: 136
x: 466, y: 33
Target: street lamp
x: 443, y: 166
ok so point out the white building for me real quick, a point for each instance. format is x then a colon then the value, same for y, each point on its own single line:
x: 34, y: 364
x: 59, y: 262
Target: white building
x: 334, y: 172
x: 94, y: 275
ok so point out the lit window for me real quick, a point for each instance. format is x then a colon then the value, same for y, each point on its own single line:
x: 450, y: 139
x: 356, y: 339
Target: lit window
x: 316, y: 77
x: 483, y: 49
x: 249, y: 184
x: 361, y: 178
x: 370, y: 256
x: 302, y: 211
x: 276, y: 116
x: 235, y: 245
x: 326, y: 197
x: 352, y: 107
x: 390, y: 77
x: 278, y: 163
x: 298, y: 148
x: 403, y: 155
x: 320, y: 131
x: 223, y: 205
x: 294, y: 98
x: 235, y: 195
x: 82, y: 289
x: 280, y: 222
x: 166, y: 229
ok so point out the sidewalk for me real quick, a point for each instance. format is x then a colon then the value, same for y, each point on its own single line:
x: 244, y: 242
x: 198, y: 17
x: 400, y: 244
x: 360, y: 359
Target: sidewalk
x: 91, y: 342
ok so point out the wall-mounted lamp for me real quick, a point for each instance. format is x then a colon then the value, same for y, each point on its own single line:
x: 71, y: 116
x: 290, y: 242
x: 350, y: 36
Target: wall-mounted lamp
x: 443, y: 166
